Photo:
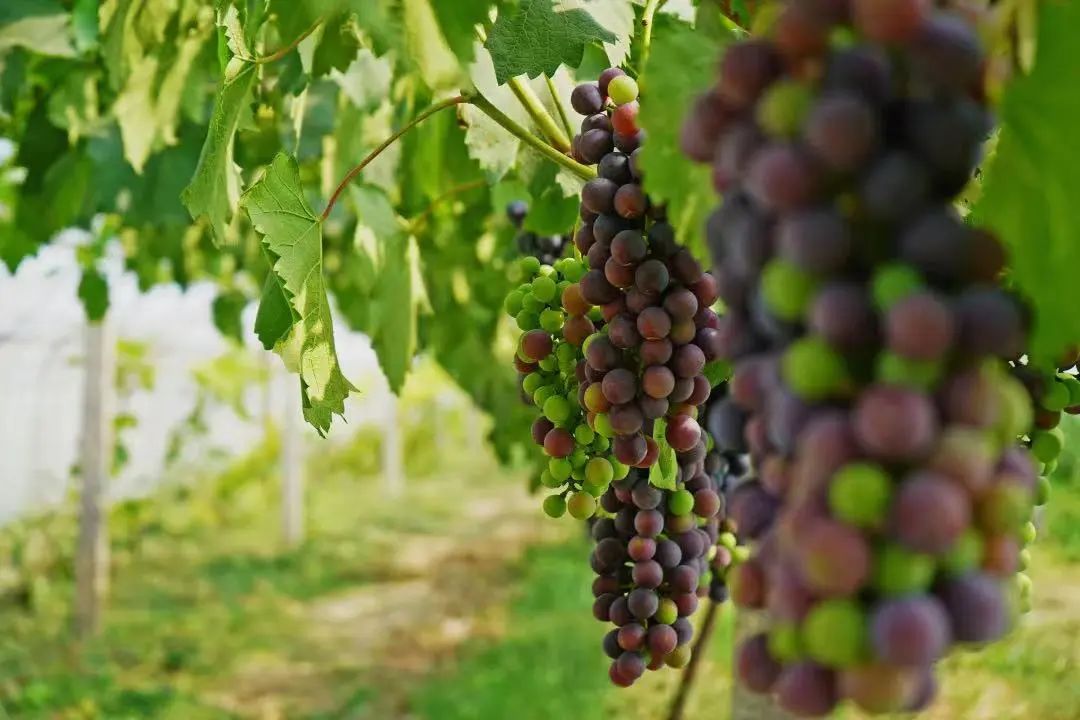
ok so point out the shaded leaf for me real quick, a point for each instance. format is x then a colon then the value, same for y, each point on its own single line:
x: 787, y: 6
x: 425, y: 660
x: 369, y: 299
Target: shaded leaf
x: 94, y: 294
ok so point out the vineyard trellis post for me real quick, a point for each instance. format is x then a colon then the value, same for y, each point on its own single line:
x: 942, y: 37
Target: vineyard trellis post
x: 92, y: 554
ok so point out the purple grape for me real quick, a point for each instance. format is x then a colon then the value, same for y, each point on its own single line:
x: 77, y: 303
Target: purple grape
x: 910, y: 632
x: 587, y: 99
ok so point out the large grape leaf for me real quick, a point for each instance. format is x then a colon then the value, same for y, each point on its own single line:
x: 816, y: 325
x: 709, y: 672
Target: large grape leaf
x: 458, y: 20
x: 41, y: 26
x: 537, y: 39
x: 617, y: 16
x: 681, y: 65
x: 489, y: 144
x: 292, y: 232
x: 1029, y: 193
x: 213, y: 190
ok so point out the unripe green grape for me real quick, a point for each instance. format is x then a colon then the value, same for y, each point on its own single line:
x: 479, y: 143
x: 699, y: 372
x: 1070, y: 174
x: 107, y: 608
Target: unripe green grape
x: 1015, y: 415
x: 618, y: 470
x: 543, y: 289
x: 965, y: 554
x: 1056, y: 396
x: 681, y: 502
x: 549, y: 364
x: 1024, y: 586
x: 740, y: 554
x: 556, y: 409
x: 566, y: 352
x: 512, y: 303
x: 679, y: 657
x: 813, y: 370
x: 728, y: 540
x: 529, y: 266
x: 527, y: 320
x: 622, y: 90
x: 783, y: 108
x: 595, y: 490
x: 860, y: 493
x: 602, y: 425
x: 530, y: 302
x: 598, y: 471
x: 548, y: 271
x: 578, y: 473
x: 786, y: 289
x: 596, y: 314
x: 548, y: 480
x: 554, y: 506
x: 1046, y: 445
x: 579, y: 457
x: 834, y: 633
x: 552, y: 320
x: 584, y: 434
x: 1072, y: 384
x: 1004, y: 509
x: 581, y: 505
x: 785, y: 643
x: 1042, y: 490
x: 574, y: 270
x: 532, y: 382
x: 893, y: 369
x: 560, y: 469
x: 667, y: 613
x: 892, y: 283
x: 898, y: 571
x: 559, y: 287
x: 601, y: 444
x: 1029, y: 533
x: 542, y: 394
x: 1025, y: 559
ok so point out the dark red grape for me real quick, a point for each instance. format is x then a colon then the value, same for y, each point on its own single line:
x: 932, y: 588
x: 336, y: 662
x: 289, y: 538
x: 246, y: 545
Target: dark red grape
x: 990, y: 323
x: 601, y: 354
x: 842, y: 132
x: 929, y: 513
x: 806, y: 689
x: 746, y: 69
x: 628, y: 247
x: 757, y: 670
x: 623, y: 332
x: 615, y: 167
x: 621, y: 276
x: 653, y: 323
x: 606, y: 77
x: 630, y: 665
x: 652, y: 277
x: 685, y: 268
x: 662, y: 640
x: 599, y: 194
x: 910, y: 632
x: 596, y: 289
x: 895, y: 187
x: 596, y: 121
x: 592, y: 146
x: 558, y: 443
x: 703, y: 126
x: 648, y: 574
x: 938, y: 244
x: 836, y: 559
x: 587, y: 99
x: 630, y: 201
x: 656, y: 352
x: 643, y: 603
x: 641, y: 548
x: 688, y: 361
x: 946, y: 54
x: 919, y: 326
x: 977, y: 608
x: 625, y: 419
x: 843, y: 315
x: 540, y: 428
x: 657, y: 381
x: 817, y: 241
x: 683, y: 432
x: 624, y: 119
x: 629, y: 449
x: 782, y: 178
x: 895, y: 424
x: 888, y: 21
x: 681, y: 304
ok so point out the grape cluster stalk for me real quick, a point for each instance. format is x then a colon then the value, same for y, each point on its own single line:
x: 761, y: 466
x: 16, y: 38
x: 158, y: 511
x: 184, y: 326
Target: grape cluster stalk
x: 875, y: 354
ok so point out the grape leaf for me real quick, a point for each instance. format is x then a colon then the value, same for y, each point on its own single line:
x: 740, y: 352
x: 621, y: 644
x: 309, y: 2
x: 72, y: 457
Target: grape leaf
x: 552, y: 211
x: 293, y: 233
x: 536, y: 39
x: 616, y: 16
x: 226, y: 311
x: 213, y: 190
x: 489, y: 144
x: 458, y: 20
x: 717, y: 372
x: 1029, y: 192
x: 681, y: 64
x: 337, y: 48
x: 664, y: 473
x: 41, y: 26
x: 275, y: 316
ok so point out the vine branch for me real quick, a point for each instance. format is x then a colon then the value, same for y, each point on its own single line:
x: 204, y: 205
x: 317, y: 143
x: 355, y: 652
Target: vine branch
x: 351, y: 175
x: 554, y: 93
x: 278, y: 54
x: 485, y: 106
x: 647, y: 16
x: 539, y: 114
x: 686, y: 682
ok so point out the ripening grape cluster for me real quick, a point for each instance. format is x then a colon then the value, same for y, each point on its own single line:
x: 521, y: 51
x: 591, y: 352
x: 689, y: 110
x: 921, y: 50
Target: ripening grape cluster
x: 545, y: 248
x: 874, y: 353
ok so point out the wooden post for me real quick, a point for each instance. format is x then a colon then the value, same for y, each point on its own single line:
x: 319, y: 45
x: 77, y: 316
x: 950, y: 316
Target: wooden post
x: 746, y: 705
x: 392, y: 466
x: 292, y: 468
x: 92, y: 553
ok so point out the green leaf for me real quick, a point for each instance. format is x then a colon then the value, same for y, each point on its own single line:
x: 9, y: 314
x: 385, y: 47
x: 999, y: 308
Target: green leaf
x: 536, y: 39
x: 682, y: 63
x: 717, y: 372
x: 84, y: 24
x: 213, y: 191
x: 1029, y: 193
x: 616, y: 16
x: 337, y: 48
x: 489, y: 144
x: 275, y: 316
x: 94, y: 294
x: 458, y: 21
x: 366, y: 82
x: 41, y: 26
x: 664, y: 473
x: 552, y: 211
x: 293, y: 232
x: 226, y: 311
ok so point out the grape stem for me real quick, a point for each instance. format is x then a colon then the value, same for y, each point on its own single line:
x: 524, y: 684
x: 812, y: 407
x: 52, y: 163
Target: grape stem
x: 686, y: 682
x: 278, y: 54
x: 351, y: 175
x: 647, y: 15
x: 539, y: 114
x: 485, y: 106
x: 554, y: 93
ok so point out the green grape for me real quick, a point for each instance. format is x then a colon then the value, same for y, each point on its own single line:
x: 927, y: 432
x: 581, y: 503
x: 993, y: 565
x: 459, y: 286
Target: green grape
x: 554, y: 506
x: 1042, y: 491
x: 512, y: 304
x: 1025, y: 559
x: 894, y: 282
x: 681, y: 502
x: 581, y: 505
x: 556, y: 409
x: 1072, y: 384
x: 860, y: 493
x: 965, y: 554
x: 622, y: 90
x: 679, y: 657
x: 530, y: 302
x: 729, y: 541
x: 618, y: 470
x: 783, y: 108
x: 548, y: 480
x: 784, y: 642
x: 603, y: 426
x: 1029, y: 533
x: 579, y: 458
x: 834, y: 633
x: 552, y: 320
x: 596, y: 314
x: 548, y: 271
x: 529, y: 266
x: 560, y: 469
x: 584, y: 434
x: 786, y: 289
x: 527, y: 320
x: 595, y: 490
x: 898, y: 571
x: 1056, y: 396
x: 667, y: 613
x: 572, y: 398
x: 601, y: 444
x: 740, y: 554
x: 598, y: 471
x: 1004, y: 509
x: 893, y: 369
x: 813, y: 370
x: 1024, y: 586
x: 1046, y: 445
x: 1015, y: 415
x: 566, y: 353
x: 549, y: 364
x: 574, y: 270
x: 544, y: 289
x: 532, y: 382
x: 542, y: 394
x: 578, y: 473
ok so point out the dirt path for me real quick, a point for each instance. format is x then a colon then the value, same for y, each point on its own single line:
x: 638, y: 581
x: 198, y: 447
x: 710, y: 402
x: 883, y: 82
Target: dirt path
x: 385, y: 636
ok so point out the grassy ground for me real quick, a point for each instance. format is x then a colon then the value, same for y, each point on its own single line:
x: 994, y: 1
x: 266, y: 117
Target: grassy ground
x: 457, y: 602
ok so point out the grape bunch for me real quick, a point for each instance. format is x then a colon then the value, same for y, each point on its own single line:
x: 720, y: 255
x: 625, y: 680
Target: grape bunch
x: 874, y: 352
x: 545, y: 248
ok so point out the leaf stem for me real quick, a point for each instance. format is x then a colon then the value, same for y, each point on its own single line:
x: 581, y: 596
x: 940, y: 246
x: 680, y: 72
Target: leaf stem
x: 647, y: 15
x: 539, y: 114
x: 554, y: 93
x: 277, y: 55
x: 485, y: 106
x: 351, y: 175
